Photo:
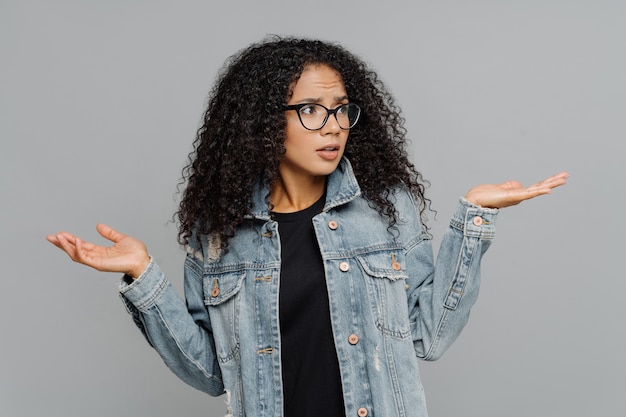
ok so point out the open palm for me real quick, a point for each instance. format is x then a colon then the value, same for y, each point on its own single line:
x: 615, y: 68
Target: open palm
x: 511, y: 193
x: 127, y: 255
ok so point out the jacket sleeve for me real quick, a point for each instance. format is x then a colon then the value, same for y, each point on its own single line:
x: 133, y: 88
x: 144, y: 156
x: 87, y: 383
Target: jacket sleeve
x: 441, y: 294
x: 180, y: 333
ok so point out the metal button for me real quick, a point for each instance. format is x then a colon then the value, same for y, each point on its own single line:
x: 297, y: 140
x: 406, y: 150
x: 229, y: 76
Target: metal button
x: 362, y: 412
x: 478, y: 221
x: 353, y: 339
x: 216, y: 288
x: 396, y: 266
x: 344, y: 266
x: 332, y: 225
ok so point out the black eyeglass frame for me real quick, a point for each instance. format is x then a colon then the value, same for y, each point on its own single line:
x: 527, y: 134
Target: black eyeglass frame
x: 334, y: 111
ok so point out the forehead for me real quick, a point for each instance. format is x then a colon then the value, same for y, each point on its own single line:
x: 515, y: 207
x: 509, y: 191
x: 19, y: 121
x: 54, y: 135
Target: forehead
x: 318, y: 78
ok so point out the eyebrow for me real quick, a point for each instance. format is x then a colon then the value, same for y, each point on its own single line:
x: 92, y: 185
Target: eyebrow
x: 319, y: 99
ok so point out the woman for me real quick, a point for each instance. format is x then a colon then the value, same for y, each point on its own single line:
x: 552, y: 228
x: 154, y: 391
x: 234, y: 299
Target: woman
x: 310, y: 283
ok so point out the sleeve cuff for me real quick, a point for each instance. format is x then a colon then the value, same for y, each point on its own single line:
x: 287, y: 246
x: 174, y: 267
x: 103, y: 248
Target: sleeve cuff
x: 474, y: 221
x: 144, y: 292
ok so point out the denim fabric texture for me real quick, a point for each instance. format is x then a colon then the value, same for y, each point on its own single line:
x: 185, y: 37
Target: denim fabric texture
x: 390, y: 303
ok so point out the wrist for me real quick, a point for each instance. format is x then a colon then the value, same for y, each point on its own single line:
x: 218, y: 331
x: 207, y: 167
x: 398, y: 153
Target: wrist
x: 138, y: 269
x: 470, y: 198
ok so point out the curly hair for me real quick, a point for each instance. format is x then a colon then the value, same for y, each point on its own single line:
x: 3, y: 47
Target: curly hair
x: 241, y: 140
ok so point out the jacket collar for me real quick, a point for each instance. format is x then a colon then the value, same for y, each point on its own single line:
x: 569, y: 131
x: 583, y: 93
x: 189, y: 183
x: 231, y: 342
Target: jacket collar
x: 341, y: 188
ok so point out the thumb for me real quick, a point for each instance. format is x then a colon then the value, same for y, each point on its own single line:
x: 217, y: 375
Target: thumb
x: 109, y: 233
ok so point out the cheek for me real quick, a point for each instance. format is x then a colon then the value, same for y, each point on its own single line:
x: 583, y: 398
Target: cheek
x: 344, y: 138
x: 290, y: 140
x: 292, y: 130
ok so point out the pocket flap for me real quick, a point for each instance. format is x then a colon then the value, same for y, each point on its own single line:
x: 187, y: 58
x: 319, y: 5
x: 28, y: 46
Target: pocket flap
x: 219, y: 288
x: 384, y: 264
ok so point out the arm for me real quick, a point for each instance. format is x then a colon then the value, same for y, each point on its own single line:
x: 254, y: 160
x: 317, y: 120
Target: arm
x: 180, y: 333
x: 441, y: 295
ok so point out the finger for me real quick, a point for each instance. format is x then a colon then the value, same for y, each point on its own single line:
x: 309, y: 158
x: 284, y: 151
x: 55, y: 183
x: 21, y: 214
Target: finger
x: 85, y: 254
x: 546, y: 186
x: 558, y: 180
x: 66, y: 245
x: 81, y: 252
x: 555, y: 180
x: 109, y: 233
x: 54, y: 240
x: 522, y: 194
x: 561, y: 175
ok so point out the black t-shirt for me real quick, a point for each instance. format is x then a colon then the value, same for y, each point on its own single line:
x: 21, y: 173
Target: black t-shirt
x: 310, y: 370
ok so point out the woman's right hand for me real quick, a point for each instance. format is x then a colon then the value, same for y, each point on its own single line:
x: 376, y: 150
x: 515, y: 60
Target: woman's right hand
x: 127, y: 255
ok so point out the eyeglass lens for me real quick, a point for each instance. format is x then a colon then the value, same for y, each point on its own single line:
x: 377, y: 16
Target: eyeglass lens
x: 315, y: 116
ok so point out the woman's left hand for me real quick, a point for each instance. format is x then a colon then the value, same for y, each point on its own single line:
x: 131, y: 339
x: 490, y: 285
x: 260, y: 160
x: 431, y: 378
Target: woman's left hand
x: 511, y: 193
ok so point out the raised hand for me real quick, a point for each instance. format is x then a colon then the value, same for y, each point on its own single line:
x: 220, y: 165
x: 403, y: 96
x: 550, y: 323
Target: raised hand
x: 511, y: 193
x: 127, y: 255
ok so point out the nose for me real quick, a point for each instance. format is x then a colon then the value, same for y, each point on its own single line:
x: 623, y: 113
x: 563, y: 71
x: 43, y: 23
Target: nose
x: 332, y: 126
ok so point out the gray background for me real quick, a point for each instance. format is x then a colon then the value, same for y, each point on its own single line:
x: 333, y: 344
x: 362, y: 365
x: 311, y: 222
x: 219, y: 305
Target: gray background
x: 99, y: 102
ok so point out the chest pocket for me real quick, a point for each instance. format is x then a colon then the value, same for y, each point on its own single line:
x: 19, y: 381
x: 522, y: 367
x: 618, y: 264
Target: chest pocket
x: 219, y: 288
x: 221, y: 292
x: 385, y: 279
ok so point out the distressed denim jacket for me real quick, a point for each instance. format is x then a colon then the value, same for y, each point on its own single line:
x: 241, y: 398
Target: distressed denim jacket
x: 390, y: 303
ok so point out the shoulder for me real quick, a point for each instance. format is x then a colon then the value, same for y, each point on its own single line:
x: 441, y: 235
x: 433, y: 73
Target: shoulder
x: 404, y: 201
x: 204, y: 247
x: 365, y: 213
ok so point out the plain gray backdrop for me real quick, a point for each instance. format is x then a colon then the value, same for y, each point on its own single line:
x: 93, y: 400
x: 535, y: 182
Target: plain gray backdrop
x: 99, y: 103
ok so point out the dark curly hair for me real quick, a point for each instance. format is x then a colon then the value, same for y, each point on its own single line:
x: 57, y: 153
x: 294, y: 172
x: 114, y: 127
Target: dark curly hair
x: 242, y: 136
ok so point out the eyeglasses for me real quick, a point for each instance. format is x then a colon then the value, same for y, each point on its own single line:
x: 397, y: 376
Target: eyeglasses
x: 314, y: 116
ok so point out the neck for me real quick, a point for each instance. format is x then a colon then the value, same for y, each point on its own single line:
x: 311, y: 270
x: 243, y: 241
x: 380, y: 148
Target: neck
x: 288, y: 196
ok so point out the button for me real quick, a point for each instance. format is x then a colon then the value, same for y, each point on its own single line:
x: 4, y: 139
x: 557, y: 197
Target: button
x: 362, y: 412
x: 332, y: 225
x: 478, y: 221
x: 344, y: 266
x: 353, y: 339
x: 216, y: 288
x: 396, y: 266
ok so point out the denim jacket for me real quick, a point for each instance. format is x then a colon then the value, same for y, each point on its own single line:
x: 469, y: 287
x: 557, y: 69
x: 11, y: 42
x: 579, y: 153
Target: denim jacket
x: 390, y: 303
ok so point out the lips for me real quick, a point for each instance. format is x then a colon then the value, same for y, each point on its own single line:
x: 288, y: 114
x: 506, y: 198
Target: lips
x: 328, y: 148
x: 329, y: 151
